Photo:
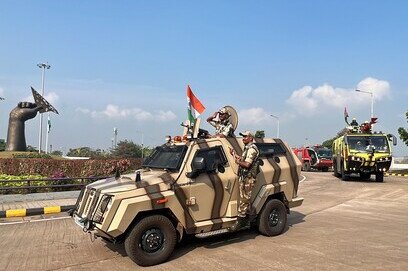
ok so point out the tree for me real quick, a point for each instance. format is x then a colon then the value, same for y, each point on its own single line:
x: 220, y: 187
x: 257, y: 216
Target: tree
x: 328, y: 143
x: 86, y: 152
x: 403, y: 132
x: 127, y: 149
x: 260, y: 134
x: 2, y: 145
x: 31, y: 148
x: 57, y: 153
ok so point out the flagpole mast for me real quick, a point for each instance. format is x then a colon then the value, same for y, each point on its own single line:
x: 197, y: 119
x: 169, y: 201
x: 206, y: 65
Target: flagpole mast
x: 48, y: 133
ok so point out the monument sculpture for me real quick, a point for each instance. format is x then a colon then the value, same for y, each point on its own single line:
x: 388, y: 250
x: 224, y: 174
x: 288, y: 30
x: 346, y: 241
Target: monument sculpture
x: 19, y: 115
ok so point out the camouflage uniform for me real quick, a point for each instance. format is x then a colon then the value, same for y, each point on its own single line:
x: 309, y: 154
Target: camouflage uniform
x: 246, y: 180
x: 223, y: 128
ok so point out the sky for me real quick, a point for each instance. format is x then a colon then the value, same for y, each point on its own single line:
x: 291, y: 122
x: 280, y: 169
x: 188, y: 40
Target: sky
x: 126, y: 64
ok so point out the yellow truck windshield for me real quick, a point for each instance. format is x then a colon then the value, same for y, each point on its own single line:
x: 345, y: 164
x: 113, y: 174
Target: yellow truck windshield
x: 367, y: 143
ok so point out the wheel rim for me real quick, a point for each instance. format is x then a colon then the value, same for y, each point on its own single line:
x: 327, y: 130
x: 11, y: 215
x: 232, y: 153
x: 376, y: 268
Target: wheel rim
x: 273, y: 218
x: 152, y: 240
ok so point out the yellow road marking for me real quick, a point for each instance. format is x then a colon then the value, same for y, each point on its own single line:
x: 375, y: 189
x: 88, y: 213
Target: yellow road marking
x: 52, y: 209
x: 16, y: 213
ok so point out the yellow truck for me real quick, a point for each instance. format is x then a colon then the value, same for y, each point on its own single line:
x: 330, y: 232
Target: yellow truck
x: 362, y: 153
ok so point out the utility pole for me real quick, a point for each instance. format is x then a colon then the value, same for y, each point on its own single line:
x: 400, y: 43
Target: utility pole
x: 372, y: 100
x: 42, y: 66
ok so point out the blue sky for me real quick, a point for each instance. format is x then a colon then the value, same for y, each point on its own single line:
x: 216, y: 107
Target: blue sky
x: 126, y: 64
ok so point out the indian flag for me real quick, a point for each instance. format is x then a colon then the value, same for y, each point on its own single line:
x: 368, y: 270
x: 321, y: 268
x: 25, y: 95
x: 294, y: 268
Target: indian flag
x: 195, y: 107
x: 48, y: 124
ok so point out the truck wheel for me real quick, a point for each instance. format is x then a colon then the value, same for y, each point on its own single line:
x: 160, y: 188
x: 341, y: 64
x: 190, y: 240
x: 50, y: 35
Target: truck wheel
x: 272, y: 219
x: 325, y: 169
x: 344, y: 175
x: 379, y: 177
x: 365, y: 176
x: 151, y: 241
x: 336, y: 173
x: 306, y: 166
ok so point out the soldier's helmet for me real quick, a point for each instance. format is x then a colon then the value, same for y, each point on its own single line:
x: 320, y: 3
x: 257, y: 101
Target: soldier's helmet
x: 246, y: 133
x: 223, y: 110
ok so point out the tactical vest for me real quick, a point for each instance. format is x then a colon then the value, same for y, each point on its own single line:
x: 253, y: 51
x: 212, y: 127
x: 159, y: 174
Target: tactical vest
x: 254, y: 169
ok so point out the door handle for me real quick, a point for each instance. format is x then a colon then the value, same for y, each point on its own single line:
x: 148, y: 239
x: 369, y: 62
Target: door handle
x: 228, y: 185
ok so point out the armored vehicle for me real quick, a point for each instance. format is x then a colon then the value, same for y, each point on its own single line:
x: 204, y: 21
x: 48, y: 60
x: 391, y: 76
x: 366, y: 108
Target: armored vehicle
x: 188, y: 186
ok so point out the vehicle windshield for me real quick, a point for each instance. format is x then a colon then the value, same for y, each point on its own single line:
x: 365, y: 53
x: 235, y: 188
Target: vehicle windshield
x: 166, y: 157
x: 324, y: 153
x: 366, y: 143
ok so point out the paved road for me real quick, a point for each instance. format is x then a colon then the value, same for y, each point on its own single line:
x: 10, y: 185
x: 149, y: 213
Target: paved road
x: 340, y: 226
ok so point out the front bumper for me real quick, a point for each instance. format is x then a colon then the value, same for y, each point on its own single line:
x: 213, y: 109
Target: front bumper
x: 359, y: 164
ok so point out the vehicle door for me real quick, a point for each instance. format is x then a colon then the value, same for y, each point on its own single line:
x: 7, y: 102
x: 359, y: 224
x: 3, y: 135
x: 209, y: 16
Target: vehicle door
x: 212, y: 183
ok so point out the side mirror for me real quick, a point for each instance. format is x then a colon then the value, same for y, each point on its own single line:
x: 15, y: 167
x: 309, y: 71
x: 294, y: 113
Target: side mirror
x: 198, y: 166
x: 392, y: 138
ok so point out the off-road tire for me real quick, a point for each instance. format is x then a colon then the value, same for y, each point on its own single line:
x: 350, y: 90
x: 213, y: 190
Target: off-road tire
x: 272, y: 218
x: 134, y: 241
x: 336, y: 173
x: 379, y: 177
x: 306, y: 166
x: 344, y: 175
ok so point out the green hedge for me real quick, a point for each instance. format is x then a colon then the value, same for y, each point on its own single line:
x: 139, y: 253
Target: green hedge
x: 66, y: 168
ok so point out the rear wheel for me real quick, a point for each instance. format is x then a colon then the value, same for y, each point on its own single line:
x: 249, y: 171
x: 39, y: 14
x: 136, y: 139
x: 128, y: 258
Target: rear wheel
x: 379, y: 177
x: 151, y: 241
x: 272, y: 219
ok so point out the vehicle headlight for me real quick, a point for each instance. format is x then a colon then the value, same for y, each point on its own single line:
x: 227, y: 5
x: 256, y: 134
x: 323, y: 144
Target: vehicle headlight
x: 106, y: 203
x: 103, y: 207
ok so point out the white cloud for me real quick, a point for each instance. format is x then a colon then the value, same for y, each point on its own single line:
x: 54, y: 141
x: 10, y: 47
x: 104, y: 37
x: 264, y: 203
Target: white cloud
x: 252, y: 116
x: 51, y: 97
x: 309, y: 100
x: 114, y: 112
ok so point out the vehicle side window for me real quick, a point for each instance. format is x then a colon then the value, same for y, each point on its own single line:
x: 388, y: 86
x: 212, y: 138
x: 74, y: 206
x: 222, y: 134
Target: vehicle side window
x: 212, y: 157
x: 270, y: 149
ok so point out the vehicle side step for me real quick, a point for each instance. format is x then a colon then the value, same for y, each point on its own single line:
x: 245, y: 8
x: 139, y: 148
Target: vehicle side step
x: 211, y: 233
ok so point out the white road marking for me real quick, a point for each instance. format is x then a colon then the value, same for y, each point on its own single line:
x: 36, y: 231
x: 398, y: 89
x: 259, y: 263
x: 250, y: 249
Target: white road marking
x: 33, y: 221
x: 304, y: 178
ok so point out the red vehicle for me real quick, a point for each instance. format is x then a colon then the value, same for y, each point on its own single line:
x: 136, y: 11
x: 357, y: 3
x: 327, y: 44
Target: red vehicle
x: 316, y: 157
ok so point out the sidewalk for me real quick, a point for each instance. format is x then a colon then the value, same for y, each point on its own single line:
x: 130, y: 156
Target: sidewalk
x: 34, y: 203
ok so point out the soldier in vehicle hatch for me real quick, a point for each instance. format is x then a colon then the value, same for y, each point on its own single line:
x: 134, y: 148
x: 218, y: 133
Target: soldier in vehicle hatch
x: 223, y: 127
x: 248, y: 169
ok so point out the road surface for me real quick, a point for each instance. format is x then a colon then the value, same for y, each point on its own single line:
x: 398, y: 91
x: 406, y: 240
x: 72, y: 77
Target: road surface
x: 350, y: 225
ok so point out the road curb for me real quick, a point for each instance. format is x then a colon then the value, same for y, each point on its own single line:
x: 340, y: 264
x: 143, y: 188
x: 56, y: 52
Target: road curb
x: 35, y: 211
x: 397, y: 174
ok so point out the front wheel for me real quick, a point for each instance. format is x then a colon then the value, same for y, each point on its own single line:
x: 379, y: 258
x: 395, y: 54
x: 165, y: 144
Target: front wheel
x: 344, y: 175
x: 151, y: 241
x: 306, y: 166
x: 272, y: 219
x: 336, y: 173
x: 379, y: 177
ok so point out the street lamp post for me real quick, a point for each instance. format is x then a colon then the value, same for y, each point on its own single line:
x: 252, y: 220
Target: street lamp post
x: 42, y: 66
x: 277, y: 118
x: 372, y: 100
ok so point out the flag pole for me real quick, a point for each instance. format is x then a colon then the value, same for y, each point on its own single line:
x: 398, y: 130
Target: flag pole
x: 48, y: 132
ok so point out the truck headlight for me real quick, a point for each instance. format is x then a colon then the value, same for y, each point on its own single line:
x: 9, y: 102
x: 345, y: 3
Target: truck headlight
x: 104, y: 206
